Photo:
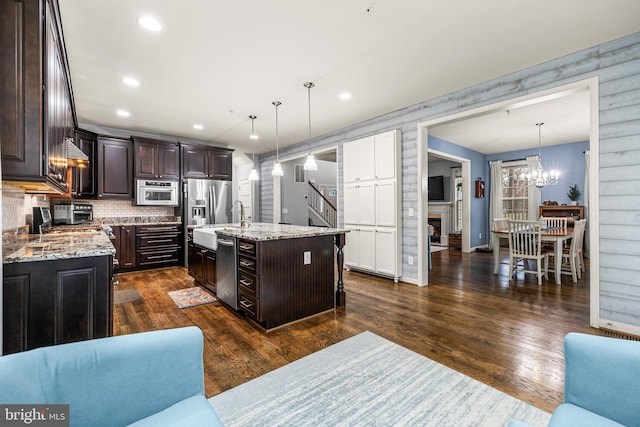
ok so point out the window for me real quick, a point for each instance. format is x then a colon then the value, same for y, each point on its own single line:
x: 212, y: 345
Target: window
x: 457, y: 198
x: 299, y: 174
x: 515, y: 193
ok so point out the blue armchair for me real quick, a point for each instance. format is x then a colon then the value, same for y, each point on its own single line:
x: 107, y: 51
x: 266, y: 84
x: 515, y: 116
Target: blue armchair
x: 150, y: 379
x: 602, y: 383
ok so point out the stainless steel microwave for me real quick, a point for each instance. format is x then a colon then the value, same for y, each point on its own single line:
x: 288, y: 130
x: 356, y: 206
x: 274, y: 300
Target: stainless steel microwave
x: 157, y: 192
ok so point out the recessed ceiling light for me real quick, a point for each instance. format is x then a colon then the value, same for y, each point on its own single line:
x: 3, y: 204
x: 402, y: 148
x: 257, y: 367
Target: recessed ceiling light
x: 130, y: 81
x: 345, y: 96
x: 198, y: 127
x: 123, y: 113
x: 150, y: 23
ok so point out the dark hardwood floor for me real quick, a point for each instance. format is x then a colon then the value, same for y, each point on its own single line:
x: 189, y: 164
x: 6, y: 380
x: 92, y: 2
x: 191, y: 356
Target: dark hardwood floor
x: 506, y: 334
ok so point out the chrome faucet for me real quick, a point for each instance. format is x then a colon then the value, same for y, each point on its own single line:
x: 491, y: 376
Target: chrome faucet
x: 243, y: 220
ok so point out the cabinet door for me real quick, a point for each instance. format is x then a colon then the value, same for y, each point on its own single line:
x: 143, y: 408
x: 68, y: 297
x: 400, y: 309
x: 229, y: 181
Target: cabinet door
x: 125, y: 244
x: 210, y: 270
x: 366, y: 203
x: 352, y: 247
x: 385, y: 244
x: 115, y: 168
x: 146, y: 159
x: 385, y: 155
x: 195, y: 162
x: 385, y: 206
x: 220, y: 165
x: 84, y: 180
x: 351, y: 207
x: 169, y: 161
x: 350, y: 161
x: 367, y: 248
x: 366, y: 159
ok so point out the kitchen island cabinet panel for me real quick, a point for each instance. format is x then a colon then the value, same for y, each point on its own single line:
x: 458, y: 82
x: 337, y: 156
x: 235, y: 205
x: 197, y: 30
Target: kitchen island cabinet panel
x: 287, y: 288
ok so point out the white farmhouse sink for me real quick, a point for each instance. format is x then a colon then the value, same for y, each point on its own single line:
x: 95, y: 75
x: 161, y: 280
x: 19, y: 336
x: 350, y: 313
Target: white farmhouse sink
x: 206, y: 237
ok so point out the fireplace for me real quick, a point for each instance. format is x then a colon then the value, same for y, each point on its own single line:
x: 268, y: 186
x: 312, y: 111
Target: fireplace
x: 435, y: 223
x: 439, y: 218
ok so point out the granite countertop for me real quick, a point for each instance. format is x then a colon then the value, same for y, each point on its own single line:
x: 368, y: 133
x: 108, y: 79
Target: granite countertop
x: 266, y: 231
x: 57, y: 245
x: 138, y: 220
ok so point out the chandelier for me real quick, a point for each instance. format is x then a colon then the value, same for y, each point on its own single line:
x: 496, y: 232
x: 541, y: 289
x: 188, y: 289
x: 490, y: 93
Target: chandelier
x: 538, y: 176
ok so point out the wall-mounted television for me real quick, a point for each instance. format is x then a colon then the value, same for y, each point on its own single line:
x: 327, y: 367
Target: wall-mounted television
x: 436, y: 188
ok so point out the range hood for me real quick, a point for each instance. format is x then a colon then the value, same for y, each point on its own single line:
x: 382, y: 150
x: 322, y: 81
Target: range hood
x: 75, y: 156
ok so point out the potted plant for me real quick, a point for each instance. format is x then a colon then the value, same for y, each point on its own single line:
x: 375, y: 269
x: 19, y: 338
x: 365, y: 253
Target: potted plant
x: 574, y: 194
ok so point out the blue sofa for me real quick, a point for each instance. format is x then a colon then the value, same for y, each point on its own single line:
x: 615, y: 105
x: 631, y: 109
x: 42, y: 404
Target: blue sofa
x: 145, y: 379
x: 602, y: 383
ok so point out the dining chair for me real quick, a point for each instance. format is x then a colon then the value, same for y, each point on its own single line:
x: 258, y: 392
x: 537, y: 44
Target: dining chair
x: 525, y: 244
x: 572, y: 261
x: 556, y: 223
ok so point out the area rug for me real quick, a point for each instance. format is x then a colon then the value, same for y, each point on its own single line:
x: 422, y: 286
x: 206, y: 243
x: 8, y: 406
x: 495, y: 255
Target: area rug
x: 191, y: 297
x: 438, y: 248
x: 367, y: 380
x: 125, y: 295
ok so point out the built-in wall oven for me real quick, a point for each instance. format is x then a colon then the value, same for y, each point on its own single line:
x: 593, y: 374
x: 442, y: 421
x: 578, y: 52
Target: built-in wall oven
x: 150, y: 192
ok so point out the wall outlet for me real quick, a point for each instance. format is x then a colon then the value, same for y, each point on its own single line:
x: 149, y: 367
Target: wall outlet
x: 307, y: 257
x: 410, y: 211
x: 410, y: 260
x: 480, y: 236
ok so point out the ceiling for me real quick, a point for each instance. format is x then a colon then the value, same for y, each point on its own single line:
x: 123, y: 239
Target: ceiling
x: 216, y: 62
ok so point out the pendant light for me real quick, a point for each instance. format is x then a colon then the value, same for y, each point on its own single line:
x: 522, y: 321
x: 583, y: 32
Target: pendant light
x: 253, y: 175
x: 310, y: 164
x: 277, y: 167
x: 539, y: 177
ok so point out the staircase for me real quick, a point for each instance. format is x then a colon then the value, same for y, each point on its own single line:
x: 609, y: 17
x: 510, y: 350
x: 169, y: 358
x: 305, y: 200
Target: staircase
x: 321, y: 208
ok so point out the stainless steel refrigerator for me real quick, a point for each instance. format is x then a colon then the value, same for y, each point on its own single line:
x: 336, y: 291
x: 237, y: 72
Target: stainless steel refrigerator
x: 205, y: 201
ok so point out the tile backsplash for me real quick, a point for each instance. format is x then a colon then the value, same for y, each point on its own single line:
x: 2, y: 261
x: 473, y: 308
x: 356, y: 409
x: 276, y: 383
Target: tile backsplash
x: 17, y: 208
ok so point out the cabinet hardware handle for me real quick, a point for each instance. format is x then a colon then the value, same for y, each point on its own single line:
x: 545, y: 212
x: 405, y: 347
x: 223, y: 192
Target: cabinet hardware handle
x: 160, y: 256
x: 159, y: 241
x: 246, y: 264
x: 246, y: 304
x: 246, y: 282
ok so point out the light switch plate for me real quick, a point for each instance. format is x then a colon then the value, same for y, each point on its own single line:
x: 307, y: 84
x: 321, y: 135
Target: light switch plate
x: 307, y: 257
x: 410, y: 211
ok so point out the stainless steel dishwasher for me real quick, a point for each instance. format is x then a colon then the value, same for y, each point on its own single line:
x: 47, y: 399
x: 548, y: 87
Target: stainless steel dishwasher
x: 227, y: 271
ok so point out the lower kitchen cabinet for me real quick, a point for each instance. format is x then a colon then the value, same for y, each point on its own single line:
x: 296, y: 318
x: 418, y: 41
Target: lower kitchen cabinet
x: 158, y: 245
x: 202, y: 266
x: 56, y: 302
x: 125, y: 244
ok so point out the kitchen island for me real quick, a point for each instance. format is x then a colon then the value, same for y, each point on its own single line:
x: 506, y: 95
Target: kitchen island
x: 56, y: 288
x: 286, y: 272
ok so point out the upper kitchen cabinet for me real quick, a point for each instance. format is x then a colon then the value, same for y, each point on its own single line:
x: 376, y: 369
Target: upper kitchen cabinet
x: 156, y: 159
x: 374, y: 157
x: 84, y: 184
x: 115, y: 168
x: 37, y: 106
x: 201, y: 161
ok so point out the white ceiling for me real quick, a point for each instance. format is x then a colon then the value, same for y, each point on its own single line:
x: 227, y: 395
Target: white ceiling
x: 216, y: 62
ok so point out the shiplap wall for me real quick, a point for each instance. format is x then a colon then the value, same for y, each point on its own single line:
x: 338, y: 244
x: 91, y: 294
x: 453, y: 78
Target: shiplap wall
x: 617, y: 66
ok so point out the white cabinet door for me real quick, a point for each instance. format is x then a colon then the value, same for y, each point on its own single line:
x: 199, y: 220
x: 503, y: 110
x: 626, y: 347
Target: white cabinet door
x: 350, y: 161
x: 359, y: 203
x: 386, y: 206
x: 385, y: 155
x: 367, y: 242
x: 385, y: 244
x: 366, y: 159
x: 359, y: 248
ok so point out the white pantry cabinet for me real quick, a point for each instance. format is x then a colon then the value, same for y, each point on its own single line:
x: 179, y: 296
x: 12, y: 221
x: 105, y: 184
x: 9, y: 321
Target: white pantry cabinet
x: 372, y: 204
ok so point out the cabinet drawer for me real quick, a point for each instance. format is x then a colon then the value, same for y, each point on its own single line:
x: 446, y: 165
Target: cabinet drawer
x: 160, y: 229
x: 248, y: 305
x: 246, y: 263
x: 158, y: 240
x: 247, y: 247
x: 164, y: 256
x: 248, y: 283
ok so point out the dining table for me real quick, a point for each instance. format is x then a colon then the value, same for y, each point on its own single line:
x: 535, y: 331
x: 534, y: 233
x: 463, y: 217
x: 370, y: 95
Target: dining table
x: 557, y: 236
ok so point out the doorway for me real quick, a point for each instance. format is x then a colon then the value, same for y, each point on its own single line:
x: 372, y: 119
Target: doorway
x: 591, y: 87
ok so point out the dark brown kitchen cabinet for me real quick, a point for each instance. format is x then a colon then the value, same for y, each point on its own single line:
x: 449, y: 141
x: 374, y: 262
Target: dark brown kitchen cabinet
x: 38, y: 111
x: 84, y: 184
x: 202, y: 266
x: 156, y: 159
x: 158, y: 245
x: 125, y: 244
x: 55, y: 302
x: 200, y: 161
x: 115, y: 168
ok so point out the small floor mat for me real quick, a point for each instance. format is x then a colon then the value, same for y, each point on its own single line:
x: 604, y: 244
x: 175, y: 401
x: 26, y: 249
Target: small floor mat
x: 125, y: 295
x: 191, y: 297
